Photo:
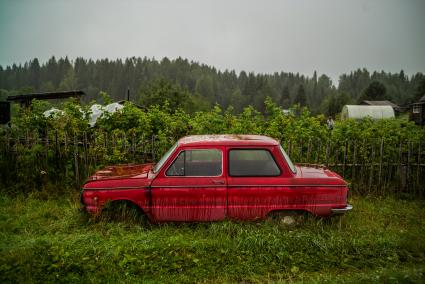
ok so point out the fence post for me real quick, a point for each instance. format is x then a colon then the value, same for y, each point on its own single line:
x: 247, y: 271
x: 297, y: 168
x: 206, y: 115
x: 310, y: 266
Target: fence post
x: 93, y: 148
x: 114, y: 141
x: 381, y: 154
x: 400, y: 169
x: 133, y: 146
x: 86, y: 167
x: 418, y: 167
x: 289, y: 147
x: 56, y: 149
x: 65, y: 141
x: 105, y: 138
x: 77, y: 174
x: 354, y: 164
x: 327, y: 152
x: 299, y: 150
x: 345, y: 158
x: 143, y: 148
x: 124, y: 143
x: 66, y: 153
x: 7, y: 140
x: 153, y: 149
x: 336, y: 157
x: 409, y: 152
x: 318, y: 152
x: 308, y: 150
x: 372, y: 164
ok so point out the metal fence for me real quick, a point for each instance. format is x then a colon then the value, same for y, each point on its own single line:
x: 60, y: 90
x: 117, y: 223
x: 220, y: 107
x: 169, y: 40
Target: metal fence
x: 55, y: 159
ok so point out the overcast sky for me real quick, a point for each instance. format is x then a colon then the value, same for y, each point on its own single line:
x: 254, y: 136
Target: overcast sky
x: 331, y: 36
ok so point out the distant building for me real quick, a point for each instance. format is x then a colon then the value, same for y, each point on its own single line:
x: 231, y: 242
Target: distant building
x: 417, y: 111
x: 363, y: 111
x: 25, y: 100
x: 397, y: 109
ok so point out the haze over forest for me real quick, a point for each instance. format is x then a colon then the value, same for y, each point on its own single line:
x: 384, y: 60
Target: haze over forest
x: 321, y: 54
x: 194, y: 86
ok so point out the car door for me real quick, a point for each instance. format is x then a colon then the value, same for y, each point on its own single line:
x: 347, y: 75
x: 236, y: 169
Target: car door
x: 256, y: 182
x: 192, y: 187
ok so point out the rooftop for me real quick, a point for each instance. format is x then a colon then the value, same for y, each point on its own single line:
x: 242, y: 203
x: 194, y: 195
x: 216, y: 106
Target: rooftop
x: 228, y: 139
x: 46, y: 96
x: 380, y: 103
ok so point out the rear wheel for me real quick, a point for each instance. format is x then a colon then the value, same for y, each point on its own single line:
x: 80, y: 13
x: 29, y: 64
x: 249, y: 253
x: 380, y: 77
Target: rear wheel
x: 288, y: 218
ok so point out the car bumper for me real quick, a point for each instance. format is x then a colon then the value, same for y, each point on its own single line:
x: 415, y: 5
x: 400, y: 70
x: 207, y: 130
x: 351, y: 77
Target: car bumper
x: 342, y: 210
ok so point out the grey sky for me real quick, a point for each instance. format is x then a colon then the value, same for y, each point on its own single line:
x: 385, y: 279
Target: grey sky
x: 332, y: 36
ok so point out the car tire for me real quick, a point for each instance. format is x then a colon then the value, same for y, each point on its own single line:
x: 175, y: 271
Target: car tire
x: 124, y: 212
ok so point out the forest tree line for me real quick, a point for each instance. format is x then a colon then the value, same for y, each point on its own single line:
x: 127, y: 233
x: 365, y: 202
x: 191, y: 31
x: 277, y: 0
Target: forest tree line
x: 194, y: 86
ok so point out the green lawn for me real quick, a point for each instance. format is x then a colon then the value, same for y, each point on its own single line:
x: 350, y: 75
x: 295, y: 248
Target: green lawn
x: 381, y: 240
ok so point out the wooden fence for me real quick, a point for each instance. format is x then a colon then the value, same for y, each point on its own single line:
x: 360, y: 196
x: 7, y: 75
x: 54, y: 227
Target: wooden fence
x: 33, y: 160
x: 370, y: 166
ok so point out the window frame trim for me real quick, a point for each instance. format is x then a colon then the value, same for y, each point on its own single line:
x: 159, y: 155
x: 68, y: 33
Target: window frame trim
x: 194, y: 149
x: 416, y: 108
x: 249, y: 149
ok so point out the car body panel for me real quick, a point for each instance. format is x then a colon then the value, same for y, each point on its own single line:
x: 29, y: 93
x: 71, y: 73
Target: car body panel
x: 182, y: 198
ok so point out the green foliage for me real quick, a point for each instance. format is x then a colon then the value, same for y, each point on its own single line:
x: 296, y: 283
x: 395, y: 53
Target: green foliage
x: 196, y: 87
x: 141, y: 135
x: 300, y: 98
x: 49, y: 240
x: 106, y: 99
x: 165, y: 94
x: 333, y: 104
x: 376, y: 91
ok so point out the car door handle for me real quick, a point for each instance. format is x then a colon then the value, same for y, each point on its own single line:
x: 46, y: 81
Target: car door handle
x: 218, y: 181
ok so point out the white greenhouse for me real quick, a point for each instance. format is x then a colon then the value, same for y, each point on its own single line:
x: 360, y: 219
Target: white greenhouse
x: 363, y: 111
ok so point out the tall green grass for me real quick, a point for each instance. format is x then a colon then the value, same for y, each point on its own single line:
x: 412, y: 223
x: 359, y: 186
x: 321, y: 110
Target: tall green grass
x: 50, y: 240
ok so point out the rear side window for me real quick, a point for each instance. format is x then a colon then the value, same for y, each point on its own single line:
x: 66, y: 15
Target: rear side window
x: 197, y: 163
x: 252, y: 162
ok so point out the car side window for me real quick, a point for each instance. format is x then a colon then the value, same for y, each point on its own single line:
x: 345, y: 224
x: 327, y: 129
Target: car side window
x: 252, y: 162
x: 197, y: 163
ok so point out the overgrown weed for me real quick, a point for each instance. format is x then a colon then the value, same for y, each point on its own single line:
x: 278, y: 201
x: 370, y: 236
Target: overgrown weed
x: 52, y: 240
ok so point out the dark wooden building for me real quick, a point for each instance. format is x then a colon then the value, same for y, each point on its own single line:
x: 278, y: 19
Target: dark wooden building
x: 417, y: 111
x: 4, y: 112
x: 25, y: 100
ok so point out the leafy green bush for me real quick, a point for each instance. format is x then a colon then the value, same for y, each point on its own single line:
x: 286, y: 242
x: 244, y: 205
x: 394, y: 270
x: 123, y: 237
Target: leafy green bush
x: 65, y: 148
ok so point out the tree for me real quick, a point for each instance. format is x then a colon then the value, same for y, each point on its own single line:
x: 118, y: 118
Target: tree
x: 420, y: 90
x: 205, y: 84
x: 300, y: 98
x: 285, y: 97
x: 35, y: 74
x: 69, y: 81
x: 166, y: 94
x: 376, y: 91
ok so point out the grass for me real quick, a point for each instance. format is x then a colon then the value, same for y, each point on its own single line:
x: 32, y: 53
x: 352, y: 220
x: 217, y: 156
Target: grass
x: 382, y: 240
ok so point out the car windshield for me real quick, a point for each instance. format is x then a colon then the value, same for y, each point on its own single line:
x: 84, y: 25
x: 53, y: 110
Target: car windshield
x: 164, y: 158
x: 288, y: 160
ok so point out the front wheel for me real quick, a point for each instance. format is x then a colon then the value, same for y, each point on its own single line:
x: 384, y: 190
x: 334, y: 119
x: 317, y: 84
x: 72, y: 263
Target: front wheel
x: 124, y: 211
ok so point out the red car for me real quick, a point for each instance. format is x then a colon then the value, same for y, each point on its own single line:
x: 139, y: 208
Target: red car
x: 213, y: 177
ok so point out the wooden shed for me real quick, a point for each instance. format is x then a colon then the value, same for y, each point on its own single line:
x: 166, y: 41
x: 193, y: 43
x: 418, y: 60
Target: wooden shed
x: 25, y: 100
x: 417, y: 111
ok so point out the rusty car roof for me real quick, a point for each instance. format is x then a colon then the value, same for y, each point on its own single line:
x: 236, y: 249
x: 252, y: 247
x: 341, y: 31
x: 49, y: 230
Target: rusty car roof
x: 228, y: 139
